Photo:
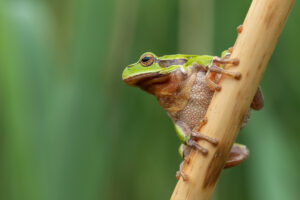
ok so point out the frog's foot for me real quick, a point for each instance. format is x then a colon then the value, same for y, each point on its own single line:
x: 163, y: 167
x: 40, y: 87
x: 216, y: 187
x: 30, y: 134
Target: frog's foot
x: 237, y: 155
x: 200, y: 136
x: 181, y: 172
x: 224, y: 61
x: 194, y: 144
x: 212, y: 85
x: 184, y: 151
x: 195, y: 135
x: 236, y: 75
x: 215, y: 69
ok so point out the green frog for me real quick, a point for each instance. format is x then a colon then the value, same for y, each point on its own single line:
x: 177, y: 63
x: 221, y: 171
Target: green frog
x: 184, y: 86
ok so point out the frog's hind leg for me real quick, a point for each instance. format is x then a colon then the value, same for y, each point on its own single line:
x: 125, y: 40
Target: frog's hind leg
x: 237, y: 155
x: 189, y: 139
x: 181, y: 173
x: 258, y: 100
x: 184, y: 151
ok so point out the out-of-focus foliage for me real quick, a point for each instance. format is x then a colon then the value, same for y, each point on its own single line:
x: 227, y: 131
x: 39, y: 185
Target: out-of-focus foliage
x: 71, y: 129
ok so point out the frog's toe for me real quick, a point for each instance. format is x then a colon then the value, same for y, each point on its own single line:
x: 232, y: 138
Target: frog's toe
x: 200, y: 136
x: 193, y: 143
x: 236, y: 75
x: 212, y: 85
x: 181, y: 173
x: 223, y: 61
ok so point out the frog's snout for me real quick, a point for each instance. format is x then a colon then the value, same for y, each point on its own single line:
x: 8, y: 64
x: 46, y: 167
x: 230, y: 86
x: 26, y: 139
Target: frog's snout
x: 125, y: 73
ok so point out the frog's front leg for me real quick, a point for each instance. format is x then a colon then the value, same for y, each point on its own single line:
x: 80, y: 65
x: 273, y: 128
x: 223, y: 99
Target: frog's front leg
x: 215, y: 68
x: 258, y: 100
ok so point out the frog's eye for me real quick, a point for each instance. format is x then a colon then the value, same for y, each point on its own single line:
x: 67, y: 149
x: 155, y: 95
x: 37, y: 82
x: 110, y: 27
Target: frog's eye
x: 147, y: 60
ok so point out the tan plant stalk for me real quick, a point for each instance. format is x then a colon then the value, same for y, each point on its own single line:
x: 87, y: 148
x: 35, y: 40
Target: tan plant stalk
x: 254, y: 46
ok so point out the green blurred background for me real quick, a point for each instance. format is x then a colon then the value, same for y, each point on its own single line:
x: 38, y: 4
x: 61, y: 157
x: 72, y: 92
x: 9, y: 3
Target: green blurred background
x: 71, y: 129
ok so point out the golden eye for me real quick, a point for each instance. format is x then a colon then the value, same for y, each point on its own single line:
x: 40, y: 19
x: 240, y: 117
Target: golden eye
x: 147, y: 60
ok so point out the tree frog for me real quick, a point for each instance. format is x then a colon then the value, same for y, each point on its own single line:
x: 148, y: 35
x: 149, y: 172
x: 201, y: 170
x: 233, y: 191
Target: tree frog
x: 184, y: 86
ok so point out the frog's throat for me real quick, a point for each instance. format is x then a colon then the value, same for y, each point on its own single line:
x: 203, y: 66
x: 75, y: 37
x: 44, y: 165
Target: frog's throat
x: 147, y: 81
x: 138, y: 79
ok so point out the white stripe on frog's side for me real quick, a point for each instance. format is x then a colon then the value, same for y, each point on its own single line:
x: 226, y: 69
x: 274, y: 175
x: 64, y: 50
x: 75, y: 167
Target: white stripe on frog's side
x: 182, y: 69
x: 167, y: 63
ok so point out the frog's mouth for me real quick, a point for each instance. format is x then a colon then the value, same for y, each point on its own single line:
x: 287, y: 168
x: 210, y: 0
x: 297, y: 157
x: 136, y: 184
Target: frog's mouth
x: 145, y: 81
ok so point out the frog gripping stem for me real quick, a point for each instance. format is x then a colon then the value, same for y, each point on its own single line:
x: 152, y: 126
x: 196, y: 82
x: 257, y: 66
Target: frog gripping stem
x: 205, y: 137
x: 181, y: 172
x: 192, y: 143
x: 254, y: 47
x: 215, y: 69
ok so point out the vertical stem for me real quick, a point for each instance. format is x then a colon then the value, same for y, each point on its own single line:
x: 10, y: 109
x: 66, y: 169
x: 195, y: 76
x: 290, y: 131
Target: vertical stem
x: 254, y: 46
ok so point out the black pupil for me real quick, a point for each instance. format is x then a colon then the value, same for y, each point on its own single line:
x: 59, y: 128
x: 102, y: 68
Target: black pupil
x: 146, y: 59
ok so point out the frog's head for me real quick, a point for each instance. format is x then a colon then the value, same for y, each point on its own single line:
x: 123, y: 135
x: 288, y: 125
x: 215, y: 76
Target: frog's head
x: 150, y: 70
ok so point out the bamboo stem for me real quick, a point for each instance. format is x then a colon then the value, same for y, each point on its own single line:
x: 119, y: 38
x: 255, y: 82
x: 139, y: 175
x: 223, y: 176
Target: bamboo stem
x: 254, y: 46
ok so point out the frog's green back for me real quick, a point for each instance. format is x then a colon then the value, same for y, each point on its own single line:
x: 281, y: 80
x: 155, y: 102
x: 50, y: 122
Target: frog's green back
x: 203, y: 60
